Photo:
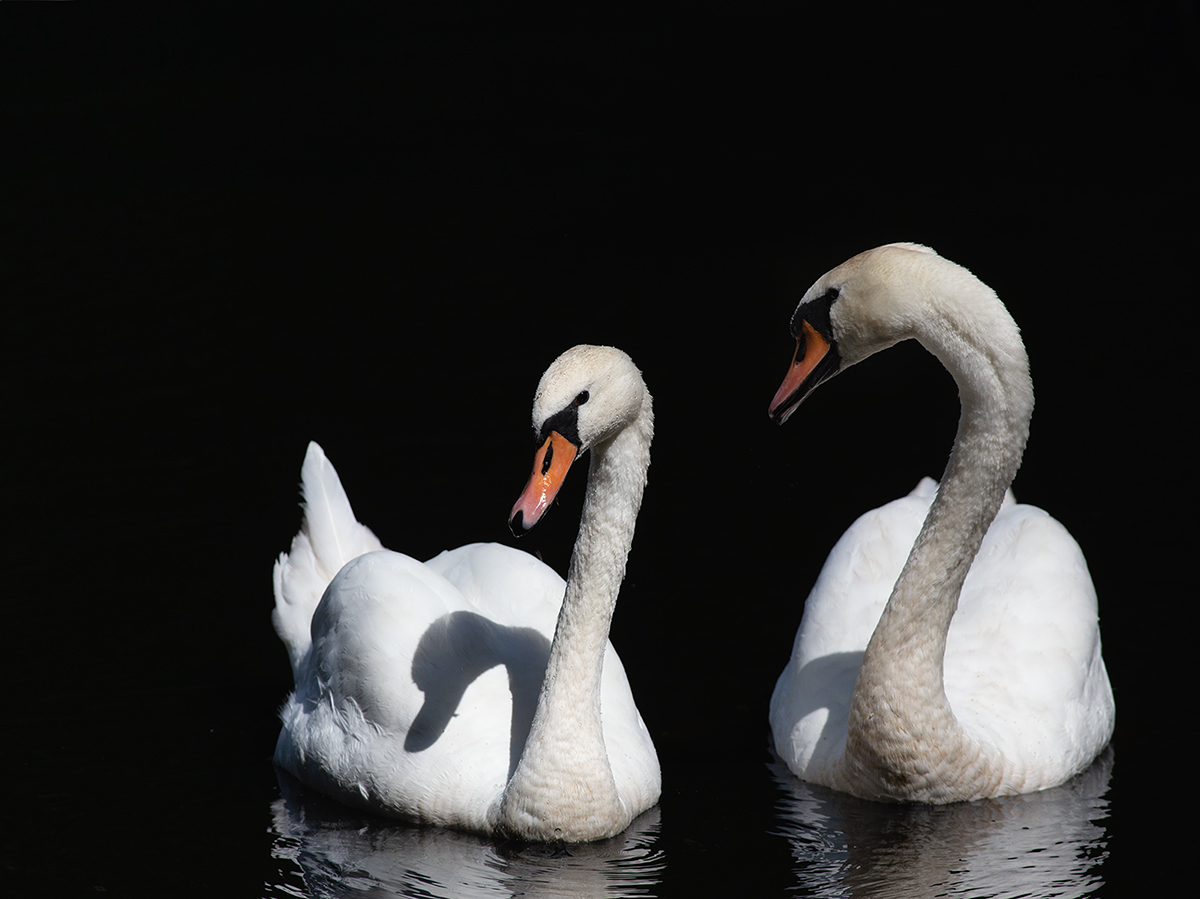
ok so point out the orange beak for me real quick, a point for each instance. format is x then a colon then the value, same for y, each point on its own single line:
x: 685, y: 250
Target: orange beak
x: 806, y: 372
x: 550, y: 466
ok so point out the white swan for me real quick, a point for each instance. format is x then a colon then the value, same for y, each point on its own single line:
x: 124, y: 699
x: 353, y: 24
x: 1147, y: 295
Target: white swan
x: 939, y: 660
x: 434, y: 691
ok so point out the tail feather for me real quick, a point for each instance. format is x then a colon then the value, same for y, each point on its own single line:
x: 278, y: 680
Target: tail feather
x: 329, y: 537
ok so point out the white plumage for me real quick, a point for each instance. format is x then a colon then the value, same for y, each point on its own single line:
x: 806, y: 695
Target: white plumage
x: 423, y: 690
x: 999, y: 689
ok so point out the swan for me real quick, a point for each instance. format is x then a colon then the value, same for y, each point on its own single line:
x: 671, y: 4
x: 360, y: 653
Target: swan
x: 477, y: 690
x: 950, y: 648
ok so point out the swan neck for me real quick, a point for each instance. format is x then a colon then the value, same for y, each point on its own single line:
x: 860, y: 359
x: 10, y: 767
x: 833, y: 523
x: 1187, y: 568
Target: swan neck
x: 991, y: 370
x: 899, y: 709
x: 566, y: 741
x: 616, y: 481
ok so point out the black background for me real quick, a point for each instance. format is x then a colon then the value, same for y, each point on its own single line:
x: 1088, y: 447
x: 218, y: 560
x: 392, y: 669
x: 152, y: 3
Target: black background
x: 225, y: 238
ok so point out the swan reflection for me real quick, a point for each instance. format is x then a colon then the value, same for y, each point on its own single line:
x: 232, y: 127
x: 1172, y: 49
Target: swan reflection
x: 1036, y: 844
x: 339, y: 852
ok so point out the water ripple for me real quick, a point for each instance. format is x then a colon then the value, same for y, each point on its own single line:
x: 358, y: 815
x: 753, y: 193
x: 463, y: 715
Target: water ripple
x: 1040, y: 844
x: 326, y: 850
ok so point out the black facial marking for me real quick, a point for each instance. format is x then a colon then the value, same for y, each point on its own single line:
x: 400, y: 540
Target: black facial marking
x: 816, y: 313
x: 565, y: 421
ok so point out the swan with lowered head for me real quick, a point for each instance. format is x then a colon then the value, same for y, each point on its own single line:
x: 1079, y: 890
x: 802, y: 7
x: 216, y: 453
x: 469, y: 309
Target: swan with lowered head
x: 949, y: 649
x: 477, y: 690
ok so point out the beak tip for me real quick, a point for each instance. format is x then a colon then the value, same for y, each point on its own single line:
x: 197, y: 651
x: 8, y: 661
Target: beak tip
x: 516, y: 523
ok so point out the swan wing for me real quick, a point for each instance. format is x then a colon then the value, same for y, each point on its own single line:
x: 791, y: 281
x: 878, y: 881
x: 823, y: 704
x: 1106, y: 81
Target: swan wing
x: 329, y: 537
x: 412, y: 702
x: 811, y: 700
x: 507, y: 585
x: 1023, y: 666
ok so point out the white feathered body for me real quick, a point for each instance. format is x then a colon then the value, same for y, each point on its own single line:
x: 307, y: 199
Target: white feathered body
x: 415, y: 693
x: 1023, y: 671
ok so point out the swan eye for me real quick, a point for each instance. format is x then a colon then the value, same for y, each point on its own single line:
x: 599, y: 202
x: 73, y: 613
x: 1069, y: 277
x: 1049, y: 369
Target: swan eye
x: 581, y: 398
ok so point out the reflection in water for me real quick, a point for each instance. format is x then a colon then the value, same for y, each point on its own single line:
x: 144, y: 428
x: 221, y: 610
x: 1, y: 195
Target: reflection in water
x: 340, y: 852
x: 1040, y: 844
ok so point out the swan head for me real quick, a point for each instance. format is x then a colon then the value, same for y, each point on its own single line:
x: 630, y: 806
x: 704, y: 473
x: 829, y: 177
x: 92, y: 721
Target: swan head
x: 587, y: 395
x: 868, y: 303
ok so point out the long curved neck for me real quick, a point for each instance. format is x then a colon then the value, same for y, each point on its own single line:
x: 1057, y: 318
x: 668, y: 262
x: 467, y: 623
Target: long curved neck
x: 903, y: 737
x: 563, y: 774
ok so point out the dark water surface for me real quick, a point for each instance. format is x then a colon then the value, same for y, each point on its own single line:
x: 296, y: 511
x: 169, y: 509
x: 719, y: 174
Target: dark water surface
x: 1051, y: 843
x: 222, y: 243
